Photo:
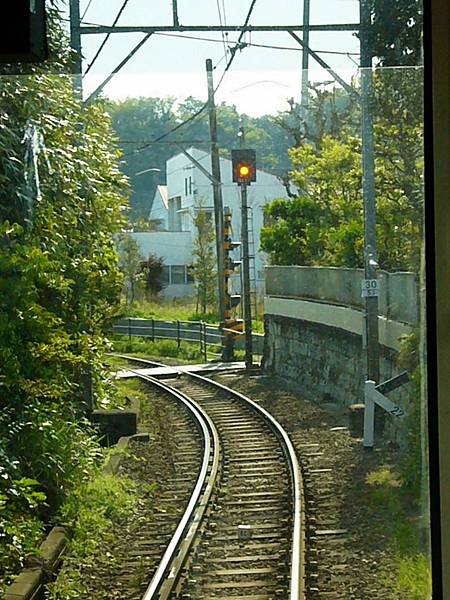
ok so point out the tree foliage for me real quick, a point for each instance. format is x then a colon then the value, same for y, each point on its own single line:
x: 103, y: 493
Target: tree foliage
x: 152, y: 270
x: 131, y: 266
x: 61, y: 200
x: 395, y: 35
x: 204, y: 268
x: 323, y: 223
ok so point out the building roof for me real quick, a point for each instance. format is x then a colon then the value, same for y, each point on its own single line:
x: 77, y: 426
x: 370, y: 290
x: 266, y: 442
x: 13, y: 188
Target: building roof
x: 162, y: 189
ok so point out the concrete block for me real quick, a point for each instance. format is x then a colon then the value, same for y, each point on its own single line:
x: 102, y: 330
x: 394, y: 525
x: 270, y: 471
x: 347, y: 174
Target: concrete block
x: 114, y: 424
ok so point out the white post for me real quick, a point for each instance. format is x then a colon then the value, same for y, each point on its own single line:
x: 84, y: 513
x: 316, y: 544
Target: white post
x: 369, y: 414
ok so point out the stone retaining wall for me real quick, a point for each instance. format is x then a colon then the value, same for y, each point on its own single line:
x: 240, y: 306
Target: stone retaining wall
x: 328, y: 364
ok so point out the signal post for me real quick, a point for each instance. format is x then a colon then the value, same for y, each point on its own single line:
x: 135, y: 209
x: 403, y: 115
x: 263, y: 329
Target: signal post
x: 232, y: 327
x: 244, y: 172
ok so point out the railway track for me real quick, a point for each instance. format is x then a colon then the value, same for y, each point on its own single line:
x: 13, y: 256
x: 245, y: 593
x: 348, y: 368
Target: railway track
x: 241, y: 534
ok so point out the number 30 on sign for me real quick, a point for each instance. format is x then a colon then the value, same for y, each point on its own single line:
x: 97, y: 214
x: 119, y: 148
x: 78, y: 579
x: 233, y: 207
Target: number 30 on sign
x: 370, y: 287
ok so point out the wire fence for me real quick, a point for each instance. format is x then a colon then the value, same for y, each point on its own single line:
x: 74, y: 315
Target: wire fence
x: 208, y: 337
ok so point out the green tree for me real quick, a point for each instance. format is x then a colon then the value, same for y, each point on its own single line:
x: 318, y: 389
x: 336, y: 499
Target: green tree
x: 396, y: 32
x: 204, y: 265
x: 137, y: 121
x: 152, y: 270
x: 131, y: 266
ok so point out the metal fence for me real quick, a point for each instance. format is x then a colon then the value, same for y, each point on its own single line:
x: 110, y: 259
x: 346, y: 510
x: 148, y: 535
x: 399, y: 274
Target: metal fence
x: 208, y: 337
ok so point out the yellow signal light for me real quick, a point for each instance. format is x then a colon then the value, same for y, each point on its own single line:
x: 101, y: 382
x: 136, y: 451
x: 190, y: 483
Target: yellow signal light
x: 244, y: 171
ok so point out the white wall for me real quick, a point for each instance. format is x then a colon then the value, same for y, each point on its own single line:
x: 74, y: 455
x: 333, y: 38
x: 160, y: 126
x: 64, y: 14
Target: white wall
x: 175, y: 248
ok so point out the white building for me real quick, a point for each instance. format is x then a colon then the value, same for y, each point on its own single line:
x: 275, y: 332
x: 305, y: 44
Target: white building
x: 189, y: 188
x: 160, y: 206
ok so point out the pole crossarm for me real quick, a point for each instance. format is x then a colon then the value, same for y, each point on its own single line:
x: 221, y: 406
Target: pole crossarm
x: 348, y: 88
x: 99, y: 29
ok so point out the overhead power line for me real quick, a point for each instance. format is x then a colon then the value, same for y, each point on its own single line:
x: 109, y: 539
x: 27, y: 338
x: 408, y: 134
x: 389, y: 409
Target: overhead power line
x: 86, y: 9
x: 102, y: 45
x: 252, y: 44
x: 238, y: 44
x: 205, y: 105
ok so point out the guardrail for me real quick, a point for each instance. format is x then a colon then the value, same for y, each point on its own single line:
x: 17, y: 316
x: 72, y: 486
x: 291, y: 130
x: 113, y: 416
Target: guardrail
x: 208, y: 337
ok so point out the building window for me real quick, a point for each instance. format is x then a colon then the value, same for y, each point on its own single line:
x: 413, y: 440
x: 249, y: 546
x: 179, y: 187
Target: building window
x: 178, y: 274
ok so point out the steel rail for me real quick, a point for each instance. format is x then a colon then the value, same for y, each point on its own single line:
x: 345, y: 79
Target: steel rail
x: 297, y: 579
x: 169, y: 568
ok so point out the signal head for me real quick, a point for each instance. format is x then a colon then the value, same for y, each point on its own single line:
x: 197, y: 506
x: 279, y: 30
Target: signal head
x: 244, y: 166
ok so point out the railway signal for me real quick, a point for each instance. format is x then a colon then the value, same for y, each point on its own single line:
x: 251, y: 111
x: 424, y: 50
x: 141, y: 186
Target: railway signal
x: 244, y: 166
x: 244, y: 173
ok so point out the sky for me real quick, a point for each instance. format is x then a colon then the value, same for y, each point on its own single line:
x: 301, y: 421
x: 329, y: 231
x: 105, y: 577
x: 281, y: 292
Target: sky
x: 259, y: 80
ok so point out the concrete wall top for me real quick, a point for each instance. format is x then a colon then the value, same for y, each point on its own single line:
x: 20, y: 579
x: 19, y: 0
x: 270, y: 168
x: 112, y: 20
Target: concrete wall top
x: 398, y: 299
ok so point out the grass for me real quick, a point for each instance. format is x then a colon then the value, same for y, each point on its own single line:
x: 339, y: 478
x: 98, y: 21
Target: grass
x: 385, y: 496
x: 92, y: 510
x: 176, y: 310
x: 142, y: 347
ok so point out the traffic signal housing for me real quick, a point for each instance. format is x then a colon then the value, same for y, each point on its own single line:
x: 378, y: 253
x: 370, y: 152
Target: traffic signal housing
x: 244, y: 166
x: 23, y: 36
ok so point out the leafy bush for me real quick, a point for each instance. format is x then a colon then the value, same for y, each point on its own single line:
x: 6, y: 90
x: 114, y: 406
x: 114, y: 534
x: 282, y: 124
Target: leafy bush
x: 61, y: 201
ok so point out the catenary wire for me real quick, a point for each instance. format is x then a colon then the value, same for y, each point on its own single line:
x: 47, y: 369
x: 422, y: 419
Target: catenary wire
x: 221, y: 24
x: 269, y: 46
x: 86, y: 9
x: 102, y: 45
x: 202, y: 108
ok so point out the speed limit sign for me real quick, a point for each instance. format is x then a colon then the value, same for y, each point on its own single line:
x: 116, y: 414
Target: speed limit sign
x: 370, y: 287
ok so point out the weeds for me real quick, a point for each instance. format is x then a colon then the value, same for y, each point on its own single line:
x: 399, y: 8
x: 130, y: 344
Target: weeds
x: 386, y: 494
x: 93, y: 510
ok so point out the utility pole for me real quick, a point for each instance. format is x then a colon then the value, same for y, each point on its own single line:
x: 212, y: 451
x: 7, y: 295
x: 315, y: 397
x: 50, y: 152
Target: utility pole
x: 217, y: 191
x: 246, y: 278
x: 305, y: 53
x: 176, y: 22
x: 368, y: 183
x: 75, y: 43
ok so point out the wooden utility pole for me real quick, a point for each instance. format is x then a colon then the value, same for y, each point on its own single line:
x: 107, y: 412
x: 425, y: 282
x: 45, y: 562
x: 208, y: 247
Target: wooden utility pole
x: 368, y: 184
x: 217, y: 191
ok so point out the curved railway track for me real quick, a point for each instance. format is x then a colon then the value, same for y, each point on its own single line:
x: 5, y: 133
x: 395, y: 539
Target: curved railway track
x: 241, y: 535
